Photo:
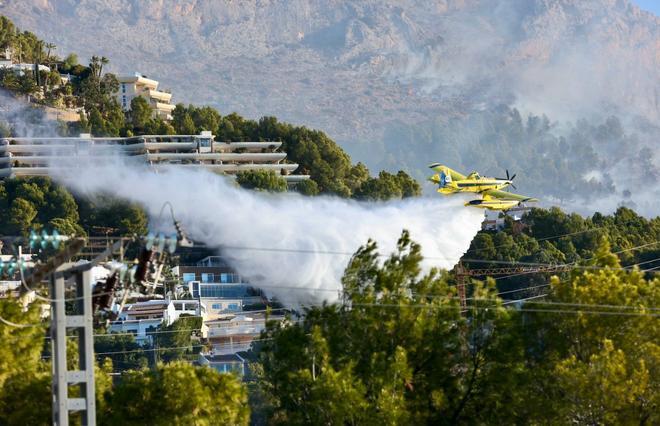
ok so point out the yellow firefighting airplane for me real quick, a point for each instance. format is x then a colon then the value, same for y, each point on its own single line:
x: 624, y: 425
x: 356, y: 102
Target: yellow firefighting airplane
x: 450, y: 182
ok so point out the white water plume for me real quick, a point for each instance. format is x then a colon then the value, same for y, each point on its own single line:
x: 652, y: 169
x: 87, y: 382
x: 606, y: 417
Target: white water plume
x: 284, y: 243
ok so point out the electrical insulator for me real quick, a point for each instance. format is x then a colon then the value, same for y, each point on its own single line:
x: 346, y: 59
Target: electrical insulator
x: 44, y: 239
x: 108, y: 291
x: 181, y: 235
x: 96, y: 296
x: 160, y: 242
x: 143, y: 265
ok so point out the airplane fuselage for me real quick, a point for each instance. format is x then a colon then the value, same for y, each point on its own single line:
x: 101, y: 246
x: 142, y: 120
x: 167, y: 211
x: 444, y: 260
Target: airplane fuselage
x: 468, y: 185
x: 493, y: 204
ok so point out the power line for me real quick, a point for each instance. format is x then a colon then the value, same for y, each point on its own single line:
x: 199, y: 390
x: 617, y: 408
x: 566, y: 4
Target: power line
x: 584, y: 260
x: 227, y: 344
x: 341, y: 253
x: 578, y: 311
x: 431, y: 295
x: 447, y: 306
x: 509, y: 302
x: 573, y: 265
x: 520, y: 289
x: 17, y: 325
x: 540, y: 239
x: 532, y: 264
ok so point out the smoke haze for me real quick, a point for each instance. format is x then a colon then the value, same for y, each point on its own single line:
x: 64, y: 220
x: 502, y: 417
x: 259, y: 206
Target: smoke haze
x: 401, y: 83
x: 216, y: 212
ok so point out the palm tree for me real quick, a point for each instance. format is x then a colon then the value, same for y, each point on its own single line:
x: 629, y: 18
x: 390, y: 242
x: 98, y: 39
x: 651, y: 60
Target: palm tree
x: 104, y: 61
x: 94, y: 66
x: 49, y: 46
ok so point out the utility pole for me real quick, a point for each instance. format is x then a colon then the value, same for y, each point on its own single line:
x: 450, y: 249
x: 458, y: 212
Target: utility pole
x: 81, y: 321
x: 462, y: 279
x: 82, y: 324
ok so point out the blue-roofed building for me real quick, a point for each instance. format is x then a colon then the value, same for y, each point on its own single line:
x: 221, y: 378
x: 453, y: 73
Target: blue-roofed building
x: 212, y: 281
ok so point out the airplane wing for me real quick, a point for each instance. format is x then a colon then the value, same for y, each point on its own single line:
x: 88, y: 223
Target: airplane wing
x: 453, y: 173
x: 496, y: 193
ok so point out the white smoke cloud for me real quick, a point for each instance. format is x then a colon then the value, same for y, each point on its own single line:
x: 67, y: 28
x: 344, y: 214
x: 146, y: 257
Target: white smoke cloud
x: 21, y: 118
x: 216, y: 212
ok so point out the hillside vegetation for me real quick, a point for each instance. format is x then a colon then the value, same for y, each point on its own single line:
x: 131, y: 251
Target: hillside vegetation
x: 557, y: 238
x: 92, y: 90
x: 400, y: 83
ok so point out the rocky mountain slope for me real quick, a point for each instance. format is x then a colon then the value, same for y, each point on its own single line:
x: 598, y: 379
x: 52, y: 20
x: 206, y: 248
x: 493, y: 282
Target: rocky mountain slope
x: 361, y: 70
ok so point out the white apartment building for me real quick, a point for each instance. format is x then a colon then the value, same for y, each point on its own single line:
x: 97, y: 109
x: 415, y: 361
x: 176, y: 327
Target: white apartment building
x: 40, y: 156
x: 235, y: 333
x: 137, y: 84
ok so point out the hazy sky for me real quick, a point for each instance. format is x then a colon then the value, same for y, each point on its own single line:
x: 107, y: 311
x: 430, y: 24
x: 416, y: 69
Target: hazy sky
x: 650, y: 5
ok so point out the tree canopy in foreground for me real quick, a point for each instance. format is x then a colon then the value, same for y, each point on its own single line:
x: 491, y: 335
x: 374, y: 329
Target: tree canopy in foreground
x: 397, y: 350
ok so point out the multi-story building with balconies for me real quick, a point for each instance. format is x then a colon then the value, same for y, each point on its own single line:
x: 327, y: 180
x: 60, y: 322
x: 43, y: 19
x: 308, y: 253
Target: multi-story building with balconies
x: 39, y: 156
x: 131, y: 86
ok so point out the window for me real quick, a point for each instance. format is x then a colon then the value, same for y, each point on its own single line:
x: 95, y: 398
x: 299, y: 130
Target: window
x: 225, y: 278
x: 216, y: 306
x: 207, y: 278
x: 123, y: 88
x: 188, y: 276
x: 220, y: 290
x: 232, y: 307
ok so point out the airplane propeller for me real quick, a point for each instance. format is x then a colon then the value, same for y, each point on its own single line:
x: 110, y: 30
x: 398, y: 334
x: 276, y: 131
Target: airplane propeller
x: 510, y: 179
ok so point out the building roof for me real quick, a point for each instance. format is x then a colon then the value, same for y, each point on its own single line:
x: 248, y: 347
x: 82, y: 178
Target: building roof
x: 137, y: 78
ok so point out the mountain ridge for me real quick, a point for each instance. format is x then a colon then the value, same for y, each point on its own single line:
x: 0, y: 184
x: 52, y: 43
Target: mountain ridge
x: 286, y: 58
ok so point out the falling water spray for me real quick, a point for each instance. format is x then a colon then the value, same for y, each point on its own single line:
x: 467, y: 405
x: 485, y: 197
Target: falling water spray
x: 293, y: 247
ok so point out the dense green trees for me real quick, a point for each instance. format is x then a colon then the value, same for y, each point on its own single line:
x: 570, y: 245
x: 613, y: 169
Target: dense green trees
x: 307, y: 187
x: 182, y: 338
x: 393, y: 352
x: 26, y: 46
x: 319, y: 156
x: 600, y: 368
x: 387, y: 186
x: 122, y: 350
x: 37, y: 202
x: 140, y: 113
x: 552, y: 236
x: 266, y: 180
x: 178, y: 393
x: 396, y: 350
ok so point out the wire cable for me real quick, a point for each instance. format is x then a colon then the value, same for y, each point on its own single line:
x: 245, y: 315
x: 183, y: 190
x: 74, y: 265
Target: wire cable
x: 540, y: 239
x: 17, y: 325
x: 522, y: 309
x: 584, y: 260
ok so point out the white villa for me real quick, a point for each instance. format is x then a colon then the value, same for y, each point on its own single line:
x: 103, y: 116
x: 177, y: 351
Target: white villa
x: 131, y: 86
